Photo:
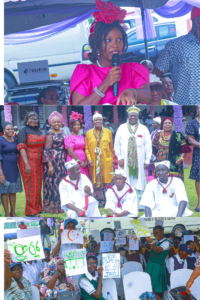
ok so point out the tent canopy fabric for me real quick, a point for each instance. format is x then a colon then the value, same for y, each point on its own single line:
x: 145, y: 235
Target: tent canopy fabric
x: 29, y: 14
x: 177, y: 8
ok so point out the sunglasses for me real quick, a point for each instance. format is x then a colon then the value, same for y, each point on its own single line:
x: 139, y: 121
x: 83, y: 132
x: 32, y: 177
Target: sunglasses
x: 156, y: 87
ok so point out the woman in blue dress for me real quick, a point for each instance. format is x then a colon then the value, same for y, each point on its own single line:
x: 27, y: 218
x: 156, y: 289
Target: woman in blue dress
x: 10, y: 181
x: 193, y: 131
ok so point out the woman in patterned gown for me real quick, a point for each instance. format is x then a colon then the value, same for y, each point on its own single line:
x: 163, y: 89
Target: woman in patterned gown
x: 54, y: 158
x: 170, y: 145
x: 30, y: 142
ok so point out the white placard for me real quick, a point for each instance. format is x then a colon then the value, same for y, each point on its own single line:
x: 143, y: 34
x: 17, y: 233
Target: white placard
x: 33, y: 71
x: 121, y: 237
x: 133, y: 242
x: 159, y: 223
x: 140, y: 228
x: 108, y: 236
x: 69, y: 236
x: 111, y: 265
x: 75, y: 262
x: 188, y: 238
x: 25, y: 249
x: 24, y: 233
x: 106, y: 246
x: 96, y: 235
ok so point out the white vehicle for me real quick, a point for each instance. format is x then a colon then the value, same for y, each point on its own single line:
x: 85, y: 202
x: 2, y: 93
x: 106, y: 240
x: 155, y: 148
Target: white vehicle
x: 63, y: 52
x: 11, y: 227
x: 175, y: 225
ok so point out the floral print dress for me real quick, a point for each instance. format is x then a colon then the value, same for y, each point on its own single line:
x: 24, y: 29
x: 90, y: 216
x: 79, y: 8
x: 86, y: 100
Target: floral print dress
x: 49, y: 271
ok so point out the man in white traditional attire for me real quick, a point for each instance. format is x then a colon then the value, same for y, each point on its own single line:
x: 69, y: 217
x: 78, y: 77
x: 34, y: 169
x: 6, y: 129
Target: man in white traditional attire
x: 76, y: 193
x: 133, y: 149
x: 165, y: 196
x: 121, y: 198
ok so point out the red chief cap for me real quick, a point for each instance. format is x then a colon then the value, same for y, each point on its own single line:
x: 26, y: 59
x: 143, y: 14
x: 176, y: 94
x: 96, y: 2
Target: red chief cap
x: 195, y: 12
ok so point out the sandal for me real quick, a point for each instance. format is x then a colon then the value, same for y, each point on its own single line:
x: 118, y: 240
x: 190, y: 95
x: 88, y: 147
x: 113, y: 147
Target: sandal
x: 13, y: 215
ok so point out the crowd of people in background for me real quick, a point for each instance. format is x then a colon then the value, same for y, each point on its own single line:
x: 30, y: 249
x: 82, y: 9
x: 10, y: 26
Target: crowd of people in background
x: 158, y: 257
x: 89, y: 161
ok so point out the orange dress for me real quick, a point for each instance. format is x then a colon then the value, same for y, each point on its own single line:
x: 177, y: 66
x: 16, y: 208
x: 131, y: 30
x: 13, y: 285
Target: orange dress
x: 33, y: 144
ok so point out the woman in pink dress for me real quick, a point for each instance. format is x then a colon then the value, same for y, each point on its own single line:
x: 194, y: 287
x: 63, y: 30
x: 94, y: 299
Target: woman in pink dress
x: 75, y: 143
x: 93, y: 84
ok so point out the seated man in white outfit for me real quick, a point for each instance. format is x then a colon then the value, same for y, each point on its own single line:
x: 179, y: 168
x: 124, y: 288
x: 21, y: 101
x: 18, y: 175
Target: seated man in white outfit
x: 121, y: 198
x: 76, y: 193
x: 165, y: 196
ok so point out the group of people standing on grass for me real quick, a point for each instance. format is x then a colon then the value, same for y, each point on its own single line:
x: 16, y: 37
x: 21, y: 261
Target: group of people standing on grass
x: 46, y: 160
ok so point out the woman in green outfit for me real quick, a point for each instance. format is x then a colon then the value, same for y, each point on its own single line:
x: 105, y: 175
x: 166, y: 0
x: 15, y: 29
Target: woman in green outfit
x: 156, y: 263
x: 91, y: 283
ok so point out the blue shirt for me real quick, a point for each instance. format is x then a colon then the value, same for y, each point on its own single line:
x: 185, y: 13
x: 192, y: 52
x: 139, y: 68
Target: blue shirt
x: 181, y: 57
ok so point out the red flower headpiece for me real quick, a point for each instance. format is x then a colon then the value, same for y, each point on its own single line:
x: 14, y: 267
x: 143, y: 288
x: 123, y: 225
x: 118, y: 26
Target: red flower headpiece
x: 76, y: 116
x: 107, y: 13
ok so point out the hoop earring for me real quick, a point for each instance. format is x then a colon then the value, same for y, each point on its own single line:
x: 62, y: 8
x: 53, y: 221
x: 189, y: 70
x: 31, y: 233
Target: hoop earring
x: 98, y: 54
x: 27, y: 123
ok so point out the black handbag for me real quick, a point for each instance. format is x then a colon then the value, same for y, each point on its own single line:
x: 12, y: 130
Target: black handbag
x: 180, y: 293
x: 68, y: 295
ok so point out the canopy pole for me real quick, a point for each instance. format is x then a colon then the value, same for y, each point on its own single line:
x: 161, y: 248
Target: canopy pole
x: 144, y: 31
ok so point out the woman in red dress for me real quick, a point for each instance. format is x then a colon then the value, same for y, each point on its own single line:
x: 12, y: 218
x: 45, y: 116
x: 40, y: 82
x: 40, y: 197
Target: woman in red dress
x: 30, y: 142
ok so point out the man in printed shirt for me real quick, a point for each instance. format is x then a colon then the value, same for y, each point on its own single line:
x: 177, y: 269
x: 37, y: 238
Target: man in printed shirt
x: 181, y: 57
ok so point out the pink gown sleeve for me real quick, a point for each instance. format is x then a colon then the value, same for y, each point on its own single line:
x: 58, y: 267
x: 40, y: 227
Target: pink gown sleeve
x: 139, y: 75
x: 69, y: 141
x: 80, y: 81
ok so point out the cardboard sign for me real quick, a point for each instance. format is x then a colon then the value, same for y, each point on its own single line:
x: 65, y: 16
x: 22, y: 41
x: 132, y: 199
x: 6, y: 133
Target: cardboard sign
x: 133, y: 242
x: 106, y: 246
x: 96, y: 235
x: 140, y: 228
x: 24, y: 233
x: 188, y: 238
x: 75, y: 262
x: 25, y: 249
x: 72, y: 236
x: 33, y: 71
x: 108, y: 236
x: 111, y: 265
x: 121, y: 237
x: 117, y: 224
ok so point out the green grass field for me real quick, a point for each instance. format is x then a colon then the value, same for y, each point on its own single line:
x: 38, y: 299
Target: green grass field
x: 189, y: 184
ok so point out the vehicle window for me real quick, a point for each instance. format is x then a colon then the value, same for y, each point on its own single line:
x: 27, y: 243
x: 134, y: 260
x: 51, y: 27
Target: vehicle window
x: 26, y: 223
x: 155, y: 19
x: 132, y: 39
x: 167, y: 31
x: 35, y: 224
x: 10, y: 225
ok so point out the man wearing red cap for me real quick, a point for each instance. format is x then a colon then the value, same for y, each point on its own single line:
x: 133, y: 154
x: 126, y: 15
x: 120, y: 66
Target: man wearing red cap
x: 181, y: 57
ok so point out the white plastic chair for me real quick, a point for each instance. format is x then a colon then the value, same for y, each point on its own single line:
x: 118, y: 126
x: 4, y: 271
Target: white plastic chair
x: 109, y: 285
x: 35, y: 293
x: 180, y: 278
x: 135, y: 284
x: 131, y: 266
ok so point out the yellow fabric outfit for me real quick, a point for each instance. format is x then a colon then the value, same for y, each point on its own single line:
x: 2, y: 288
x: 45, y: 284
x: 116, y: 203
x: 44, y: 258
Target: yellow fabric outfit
x: 175, y: 250
x: 106, y: 158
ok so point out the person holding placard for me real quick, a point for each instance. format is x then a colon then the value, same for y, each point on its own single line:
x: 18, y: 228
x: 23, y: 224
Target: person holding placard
x: 156, y: 263
x: 58, y: 247
x: 165, y: 196
x: 133, y: 149
x: 91, y: 282
x: 15, y: 285
x: 76, y: 193
x: 55, y: 279
x: 121, y: 198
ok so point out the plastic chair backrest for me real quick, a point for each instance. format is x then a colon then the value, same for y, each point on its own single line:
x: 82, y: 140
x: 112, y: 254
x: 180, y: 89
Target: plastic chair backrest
x: 180, y: 278
x: 135, y: 284
x: 109, y: 285
x: 131, y: 266
x: 35, y: 293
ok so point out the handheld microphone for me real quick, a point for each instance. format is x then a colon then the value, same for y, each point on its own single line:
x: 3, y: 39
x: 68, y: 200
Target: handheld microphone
x: 115, y: 62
